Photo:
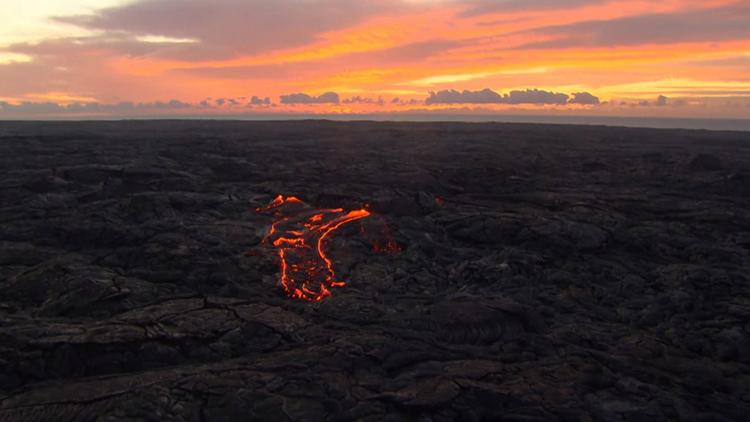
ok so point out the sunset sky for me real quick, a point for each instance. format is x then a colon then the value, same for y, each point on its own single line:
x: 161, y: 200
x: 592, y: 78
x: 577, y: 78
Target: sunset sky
x: 671, y: 58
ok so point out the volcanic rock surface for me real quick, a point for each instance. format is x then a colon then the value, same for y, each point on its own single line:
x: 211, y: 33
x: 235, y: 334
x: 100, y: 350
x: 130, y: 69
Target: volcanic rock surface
x: 546, y: 273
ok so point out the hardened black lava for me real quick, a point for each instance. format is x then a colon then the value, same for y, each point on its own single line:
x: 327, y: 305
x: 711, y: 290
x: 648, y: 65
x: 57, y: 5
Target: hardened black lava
x: 541, y: 273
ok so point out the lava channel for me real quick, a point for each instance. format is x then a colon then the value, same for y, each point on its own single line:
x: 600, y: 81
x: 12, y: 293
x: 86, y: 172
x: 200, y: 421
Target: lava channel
x: 299, y: 233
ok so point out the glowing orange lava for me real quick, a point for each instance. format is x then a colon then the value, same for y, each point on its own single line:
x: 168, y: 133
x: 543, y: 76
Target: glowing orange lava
x: 299, y: 232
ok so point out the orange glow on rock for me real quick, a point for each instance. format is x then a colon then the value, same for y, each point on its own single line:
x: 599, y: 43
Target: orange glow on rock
x: 386, y: 244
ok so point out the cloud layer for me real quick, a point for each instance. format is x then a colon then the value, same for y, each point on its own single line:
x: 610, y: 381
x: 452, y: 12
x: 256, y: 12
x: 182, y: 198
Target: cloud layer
x: 122, y: 108
x: 227, y: 28
x: 485, y: 7
x: 380, y: 55
x: 301, y: 98
x: 529, y: 96
x: 715, y: 24
x: 584, y: 98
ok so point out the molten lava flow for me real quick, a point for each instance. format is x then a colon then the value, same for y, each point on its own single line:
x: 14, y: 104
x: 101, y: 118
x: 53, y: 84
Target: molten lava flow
x: 299, y: 232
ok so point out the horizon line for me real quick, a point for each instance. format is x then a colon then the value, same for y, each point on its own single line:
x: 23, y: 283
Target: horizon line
x: 646, y: 122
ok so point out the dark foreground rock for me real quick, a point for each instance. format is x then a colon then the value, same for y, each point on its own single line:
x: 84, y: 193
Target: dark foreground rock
x: 547, y: 273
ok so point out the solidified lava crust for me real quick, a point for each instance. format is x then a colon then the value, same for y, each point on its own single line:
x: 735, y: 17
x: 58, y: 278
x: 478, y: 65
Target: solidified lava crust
x: 506, y: 272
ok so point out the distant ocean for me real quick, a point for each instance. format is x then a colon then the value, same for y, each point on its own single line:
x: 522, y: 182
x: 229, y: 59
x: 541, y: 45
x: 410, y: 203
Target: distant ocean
x: 649, y: 122
x: 646, y: 122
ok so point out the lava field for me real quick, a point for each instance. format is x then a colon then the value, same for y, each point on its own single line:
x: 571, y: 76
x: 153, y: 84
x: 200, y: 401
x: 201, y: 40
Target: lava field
x: 499, y: 272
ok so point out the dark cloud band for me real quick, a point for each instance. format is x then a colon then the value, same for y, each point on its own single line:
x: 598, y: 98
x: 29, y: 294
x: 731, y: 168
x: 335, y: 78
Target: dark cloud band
x: 529, y: 96
x: 301, y: 98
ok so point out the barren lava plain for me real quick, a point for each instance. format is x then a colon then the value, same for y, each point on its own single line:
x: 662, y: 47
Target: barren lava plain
x: 543, y: 272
